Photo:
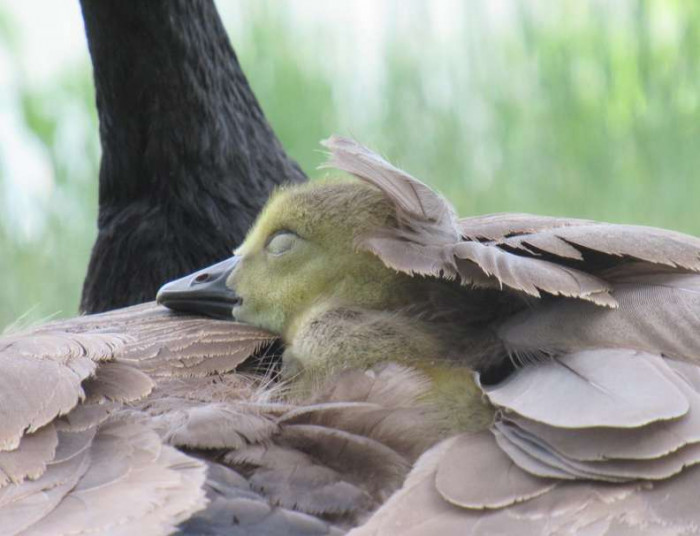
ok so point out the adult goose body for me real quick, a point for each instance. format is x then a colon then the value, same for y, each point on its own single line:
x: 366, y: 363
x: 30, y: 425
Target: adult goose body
x: 499, y: 374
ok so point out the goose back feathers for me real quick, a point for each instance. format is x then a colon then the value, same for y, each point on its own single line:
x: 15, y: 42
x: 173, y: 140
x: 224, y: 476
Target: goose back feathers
x: 150, y: 419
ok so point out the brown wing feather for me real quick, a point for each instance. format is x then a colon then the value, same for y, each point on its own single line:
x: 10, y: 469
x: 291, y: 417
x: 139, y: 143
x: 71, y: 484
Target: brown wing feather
x: 55, y: 359
x: 30, y: 458
x: 418, y: 508
x: 131, y: 480
x: 484, y: 265
x: 496, y: 227
x: 36, y: 389
x: 502, y: 249
x: 570, y: 238
x: 413, y: 199
x: 603, y: 402
x: 657, y: 313
x: 652, y: 441
x: 362, y: 454
x: 493, y: 482
x: 567, y: 508
x: 192, y: 346
x: 72, y: 457
x: 652, y: 245
x: 431, y: 242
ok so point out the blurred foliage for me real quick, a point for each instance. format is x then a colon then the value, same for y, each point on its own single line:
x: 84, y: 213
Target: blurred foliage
x: 587, y: 109
x: 43, y: 268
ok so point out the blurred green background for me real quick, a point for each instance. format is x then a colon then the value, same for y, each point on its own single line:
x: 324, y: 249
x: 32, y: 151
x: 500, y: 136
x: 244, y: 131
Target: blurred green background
x: 577, y: 108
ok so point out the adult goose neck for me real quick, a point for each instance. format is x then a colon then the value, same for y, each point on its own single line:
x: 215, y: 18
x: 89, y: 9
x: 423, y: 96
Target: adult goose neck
x: 185, y: 145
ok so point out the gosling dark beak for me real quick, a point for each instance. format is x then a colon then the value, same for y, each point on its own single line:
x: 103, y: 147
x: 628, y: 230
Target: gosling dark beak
x: 203, y: 292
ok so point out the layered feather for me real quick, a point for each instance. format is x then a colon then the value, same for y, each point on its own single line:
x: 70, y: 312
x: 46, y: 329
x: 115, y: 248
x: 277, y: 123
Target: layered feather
x: 507, y: 250
x: 109, y: 466
x: 594, y: 395
x: 146, y: 424
x: 75, y: 457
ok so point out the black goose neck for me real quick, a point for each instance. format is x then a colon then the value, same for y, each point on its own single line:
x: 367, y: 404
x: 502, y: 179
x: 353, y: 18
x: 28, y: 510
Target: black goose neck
x: 175, y: 108
x: 188, y: 158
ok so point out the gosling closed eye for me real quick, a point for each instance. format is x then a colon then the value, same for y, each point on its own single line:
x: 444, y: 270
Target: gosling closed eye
x: 281, y: 242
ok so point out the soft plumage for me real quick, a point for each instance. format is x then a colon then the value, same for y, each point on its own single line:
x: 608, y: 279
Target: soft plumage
x: 606, y: 384
x: 490, y: 375
x: 137, y: 419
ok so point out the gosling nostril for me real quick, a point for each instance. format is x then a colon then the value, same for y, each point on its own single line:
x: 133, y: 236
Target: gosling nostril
x: 202, y: 278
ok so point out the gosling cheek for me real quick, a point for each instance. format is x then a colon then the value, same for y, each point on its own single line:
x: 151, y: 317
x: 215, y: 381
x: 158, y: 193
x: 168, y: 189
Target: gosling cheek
x: 238, y: 313
x: 247, y: 313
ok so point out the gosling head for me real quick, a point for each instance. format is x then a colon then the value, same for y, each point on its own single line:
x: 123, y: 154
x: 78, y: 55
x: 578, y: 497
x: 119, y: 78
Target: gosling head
x: 300, y: 252
x: 349, y: 273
